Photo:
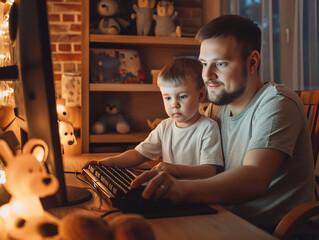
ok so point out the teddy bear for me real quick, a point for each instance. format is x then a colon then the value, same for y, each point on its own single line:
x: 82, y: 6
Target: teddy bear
x: 118, y: 227
x: 113, y: 120
x: 144, y: 16
x: 66, y: 130
x: 110, y: 23
x: 24, y: 218
x: 27, y: 180
x: 165, y: 20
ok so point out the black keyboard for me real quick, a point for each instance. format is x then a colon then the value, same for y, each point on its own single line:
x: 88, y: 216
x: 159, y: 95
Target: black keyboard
x: 113, y: 183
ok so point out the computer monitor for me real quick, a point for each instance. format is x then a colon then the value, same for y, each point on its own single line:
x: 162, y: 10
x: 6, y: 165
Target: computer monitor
x: 35, y: 106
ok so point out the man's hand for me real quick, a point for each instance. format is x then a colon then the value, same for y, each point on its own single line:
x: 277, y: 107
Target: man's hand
x: 160, y: 185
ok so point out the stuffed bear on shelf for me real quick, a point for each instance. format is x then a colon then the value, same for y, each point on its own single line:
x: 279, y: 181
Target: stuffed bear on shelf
x: 144, y: 16
x: 113, y: 120
x: 110, y: 23
x: 165, y: 20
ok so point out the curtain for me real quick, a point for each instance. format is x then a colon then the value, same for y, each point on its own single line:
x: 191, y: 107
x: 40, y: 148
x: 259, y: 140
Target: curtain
x: 289, y: 53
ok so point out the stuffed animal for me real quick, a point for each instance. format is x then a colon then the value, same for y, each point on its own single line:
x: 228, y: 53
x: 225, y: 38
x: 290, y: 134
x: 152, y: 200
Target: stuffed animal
x: 113, y: 120
x: 83, y: 227
x: 110, y: 22
x: 165, y: 20
x: 66, y: 130
x: 153, y: 125
x: 144, y: 16
x: 119, y: 227
x: 27, y: 181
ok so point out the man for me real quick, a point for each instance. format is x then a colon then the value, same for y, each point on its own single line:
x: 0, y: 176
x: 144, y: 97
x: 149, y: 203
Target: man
x: 265, y: 136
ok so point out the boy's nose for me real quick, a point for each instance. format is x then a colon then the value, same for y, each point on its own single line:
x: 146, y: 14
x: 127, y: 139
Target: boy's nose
x: 175, y: 104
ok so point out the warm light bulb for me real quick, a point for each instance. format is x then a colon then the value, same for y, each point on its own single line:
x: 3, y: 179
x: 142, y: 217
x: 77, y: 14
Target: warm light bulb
x: 2, y: 176
x: 60, y: 108
x: 18, y: 206
x: 39, y: 153
x: 4, y: 211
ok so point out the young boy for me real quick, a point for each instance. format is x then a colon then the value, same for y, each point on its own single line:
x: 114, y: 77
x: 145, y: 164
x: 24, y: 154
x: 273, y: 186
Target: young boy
x: 188, y: 143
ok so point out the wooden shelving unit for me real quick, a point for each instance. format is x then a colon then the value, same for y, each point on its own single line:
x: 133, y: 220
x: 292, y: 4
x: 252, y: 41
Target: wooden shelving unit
x: 143, y: 101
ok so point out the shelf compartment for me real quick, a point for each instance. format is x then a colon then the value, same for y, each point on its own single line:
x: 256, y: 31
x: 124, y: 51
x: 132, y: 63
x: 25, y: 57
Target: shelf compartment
x: 118, y: 138
x: 145, y: 40
x: 114, y: 87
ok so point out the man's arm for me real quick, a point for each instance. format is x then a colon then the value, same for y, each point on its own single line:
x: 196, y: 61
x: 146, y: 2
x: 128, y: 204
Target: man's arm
x: 187, y: 171
x: 233, y: 186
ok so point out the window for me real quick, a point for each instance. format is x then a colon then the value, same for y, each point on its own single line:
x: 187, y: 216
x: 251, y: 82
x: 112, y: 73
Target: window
x: 290, y: 39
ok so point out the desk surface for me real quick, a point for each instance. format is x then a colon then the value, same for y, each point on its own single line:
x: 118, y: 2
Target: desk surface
x: 223, y: 225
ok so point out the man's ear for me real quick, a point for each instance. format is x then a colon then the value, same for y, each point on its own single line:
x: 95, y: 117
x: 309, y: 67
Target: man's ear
x: 254, y: 60
x: 202, y: 94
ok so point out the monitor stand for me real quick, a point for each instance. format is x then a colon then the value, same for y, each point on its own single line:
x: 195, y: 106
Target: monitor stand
x: 75, y: 195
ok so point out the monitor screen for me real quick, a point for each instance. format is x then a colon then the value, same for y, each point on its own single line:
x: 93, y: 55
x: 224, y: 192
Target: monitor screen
x: 35, y: 106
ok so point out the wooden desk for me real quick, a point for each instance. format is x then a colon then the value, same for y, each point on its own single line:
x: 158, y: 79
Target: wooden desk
x: 223, y: 225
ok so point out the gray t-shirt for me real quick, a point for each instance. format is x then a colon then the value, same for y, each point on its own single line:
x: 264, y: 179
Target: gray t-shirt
x: 274, y: 119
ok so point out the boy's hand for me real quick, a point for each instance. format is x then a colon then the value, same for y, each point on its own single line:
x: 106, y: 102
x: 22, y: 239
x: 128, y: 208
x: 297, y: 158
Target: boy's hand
x: 168, y: 167
x: 94, y: 162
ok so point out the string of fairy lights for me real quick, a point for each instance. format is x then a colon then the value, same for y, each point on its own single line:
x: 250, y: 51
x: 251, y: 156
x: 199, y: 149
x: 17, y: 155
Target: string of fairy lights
x: 6, y: 91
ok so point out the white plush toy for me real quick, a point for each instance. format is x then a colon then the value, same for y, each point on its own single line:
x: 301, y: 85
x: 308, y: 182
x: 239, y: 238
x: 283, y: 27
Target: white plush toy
x: 66, y: 130
x: 144, y: 16
x: 113, y: 120
x: 165, y: 20
x: 27, y: 181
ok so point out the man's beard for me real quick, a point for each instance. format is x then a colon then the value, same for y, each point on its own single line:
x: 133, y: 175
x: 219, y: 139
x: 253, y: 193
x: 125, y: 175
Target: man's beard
x: 226, y: 97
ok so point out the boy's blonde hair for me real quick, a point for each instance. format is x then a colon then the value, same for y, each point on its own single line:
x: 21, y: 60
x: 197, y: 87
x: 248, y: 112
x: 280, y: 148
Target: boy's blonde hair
x: 180, y: 70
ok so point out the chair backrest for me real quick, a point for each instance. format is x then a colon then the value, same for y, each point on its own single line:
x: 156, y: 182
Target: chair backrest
x: 310, y: 100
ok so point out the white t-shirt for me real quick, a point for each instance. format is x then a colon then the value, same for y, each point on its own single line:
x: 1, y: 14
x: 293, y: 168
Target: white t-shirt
x: 197, y: 144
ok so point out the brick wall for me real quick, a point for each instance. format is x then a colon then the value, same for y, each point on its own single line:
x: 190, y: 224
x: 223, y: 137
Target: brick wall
x: 65, y: 35
x: 65, y: 30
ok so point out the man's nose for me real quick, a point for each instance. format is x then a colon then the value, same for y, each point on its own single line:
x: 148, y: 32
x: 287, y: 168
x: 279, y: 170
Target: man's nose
x: 210, y: 73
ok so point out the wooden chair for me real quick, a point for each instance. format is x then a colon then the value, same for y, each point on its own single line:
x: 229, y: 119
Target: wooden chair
x: 311, y: 100
x: 287, y: 226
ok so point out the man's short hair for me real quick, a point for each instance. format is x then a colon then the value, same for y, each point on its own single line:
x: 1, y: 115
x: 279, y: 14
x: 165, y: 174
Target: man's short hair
x: 245, y: 31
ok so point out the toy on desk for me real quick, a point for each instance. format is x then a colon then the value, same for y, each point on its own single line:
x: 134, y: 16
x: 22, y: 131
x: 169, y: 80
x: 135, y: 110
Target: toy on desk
x: 27, y: 180
x: 153, y: 125
x: 131, y: 227
x: 83, y: 227
x: 144, y: 16
x: 165, y: 20
x: 119, y: 227
x: 113, y: 119
x: 66, y: 130
x: 110, y: 22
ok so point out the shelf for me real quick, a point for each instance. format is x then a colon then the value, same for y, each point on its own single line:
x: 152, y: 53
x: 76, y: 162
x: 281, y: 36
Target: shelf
x: 138, y: 40
x: 114, y: 87
x: 118, y: 138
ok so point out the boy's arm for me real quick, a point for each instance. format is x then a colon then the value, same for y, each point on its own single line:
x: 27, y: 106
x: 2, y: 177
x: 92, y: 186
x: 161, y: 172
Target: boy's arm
x: 187, y: 171
x: 129, y: 158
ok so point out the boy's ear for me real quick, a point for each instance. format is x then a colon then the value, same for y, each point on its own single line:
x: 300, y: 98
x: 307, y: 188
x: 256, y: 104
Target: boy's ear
x: 202, y: 94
